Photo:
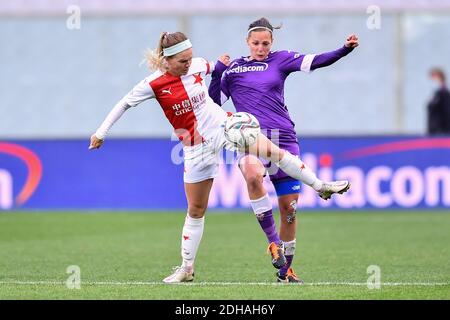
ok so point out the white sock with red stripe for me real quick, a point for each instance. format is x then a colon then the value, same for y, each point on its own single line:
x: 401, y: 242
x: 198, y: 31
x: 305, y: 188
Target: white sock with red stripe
x: 297, y: 169
x: 190, y: 240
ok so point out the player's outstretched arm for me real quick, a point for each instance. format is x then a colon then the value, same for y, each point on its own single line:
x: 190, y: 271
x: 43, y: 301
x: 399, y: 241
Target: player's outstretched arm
x: 327, y: 58
x: 140, y: 92
x: 217, y: 86
x: 98, y: 137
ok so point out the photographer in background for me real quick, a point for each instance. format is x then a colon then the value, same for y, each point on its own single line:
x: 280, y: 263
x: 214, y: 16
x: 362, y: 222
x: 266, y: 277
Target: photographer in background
x: 439, y: 106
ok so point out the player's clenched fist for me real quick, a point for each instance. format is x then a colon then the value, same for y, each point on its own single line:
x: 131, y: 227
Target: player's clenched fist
x: 352, y: 41
x: 95, y: 142
x: 225, y: 59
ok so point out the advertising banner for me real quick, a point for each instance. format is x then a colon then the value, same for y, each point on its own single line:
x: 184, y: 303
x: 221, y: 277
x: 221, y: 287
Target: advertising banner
x: 147, y: 174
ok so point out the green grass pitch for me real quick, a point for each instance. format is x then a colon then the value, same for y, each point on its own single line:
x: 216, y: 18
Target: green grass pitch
x: 126, y: 255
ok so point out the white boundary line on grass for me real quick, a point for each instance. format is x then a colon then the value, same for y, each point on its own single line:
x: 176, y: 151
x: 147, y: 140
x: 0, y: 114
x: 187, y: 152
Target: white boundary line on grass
x: 150, y: 283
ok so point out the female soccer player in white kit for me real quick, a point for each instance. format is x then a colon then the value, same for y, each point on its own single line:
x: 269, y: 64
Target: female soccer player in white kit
x: 179, y: 87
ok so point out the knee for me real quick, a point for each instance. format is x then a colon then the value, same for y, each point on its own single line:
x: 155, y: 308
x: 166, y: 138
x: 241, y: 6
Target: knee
x: 196, y: 211
x: 253, y: 172
x: 289, y: 211
x: 254, y: 181
x: 288, y: 207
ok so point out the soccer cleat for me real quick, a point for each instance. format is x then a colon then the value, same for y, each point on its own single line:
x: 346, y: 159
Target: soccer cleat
x: 277, y: 252
x: 330, y: 188
x: 179, y: 275
x: 289, y: 277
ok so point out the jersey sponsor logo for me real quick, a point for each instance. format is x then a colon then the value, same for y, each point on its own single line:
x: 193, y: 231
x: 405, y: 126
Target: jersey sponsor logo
x: 198, y: 99
x: 182, y: 108
x: 188, y: 105
x: 256, y: 67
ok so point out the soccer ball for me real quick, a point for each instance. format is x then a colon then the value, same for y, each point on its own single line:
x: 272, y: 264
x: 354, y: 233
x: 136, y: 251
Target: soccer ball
x: 242, y: 129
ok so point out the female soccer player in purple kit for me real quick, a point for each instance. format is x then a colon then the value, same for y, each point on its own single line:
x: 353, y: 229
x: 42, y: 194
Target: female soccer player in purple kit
x: 256, y: 85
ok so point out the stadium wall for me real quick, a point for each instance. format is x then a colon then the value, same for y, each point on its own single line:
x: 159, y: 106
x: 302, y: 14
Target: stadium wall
x: 73, y: 77
x: 146, y: 174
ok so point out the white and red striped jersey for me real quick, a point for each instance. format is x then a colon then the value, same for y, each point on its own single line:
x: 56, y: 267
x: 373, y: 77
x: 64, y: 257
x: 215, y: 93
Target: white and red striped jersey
x: 184, y: 100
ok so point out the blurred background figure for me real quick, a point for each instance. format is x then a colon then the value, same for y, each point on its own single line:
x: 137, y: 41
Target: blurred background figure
x: 439, y: 105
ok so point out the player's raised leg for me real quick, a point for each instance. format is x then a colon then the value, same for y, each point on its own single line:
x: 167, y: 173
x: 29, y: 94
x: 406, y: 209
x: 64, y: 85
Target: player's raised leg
x: 296, y: 168
x: 197, y: 197
x: 253, y: 171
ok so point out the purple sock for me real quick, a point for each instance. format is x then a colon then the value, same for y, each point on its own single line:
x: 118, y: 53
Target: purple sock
x: 268, y: 225
x: 284, y: 269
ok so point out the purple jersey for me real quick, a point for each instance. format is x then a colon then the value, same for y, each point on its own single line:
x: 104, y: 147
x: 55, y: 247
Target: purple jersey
x: 257, y: 87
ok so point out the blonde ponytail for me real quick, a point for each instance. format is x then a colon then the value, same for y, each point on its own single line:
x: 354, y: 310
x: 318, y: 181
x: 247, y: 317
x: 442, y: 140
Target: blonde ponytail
x: 154, y: 58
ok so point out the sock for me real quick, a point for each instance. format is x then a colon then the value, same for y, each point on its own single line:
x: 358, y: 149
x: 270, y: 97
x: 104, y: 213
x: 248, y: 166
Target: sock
x: 262, y: 208
x: 297, y: 169
x: 190, y: 240
x: 289, y: 251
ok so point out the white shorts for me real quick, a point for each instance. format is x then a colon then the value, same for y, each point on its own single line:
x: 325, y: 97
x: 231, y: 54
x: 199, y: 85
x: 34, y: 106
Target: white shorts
x: 201, y: 161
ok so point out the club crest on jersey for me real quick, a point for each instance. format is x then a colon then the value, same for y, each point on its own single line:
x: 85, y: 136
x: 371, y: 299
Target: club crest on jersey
x: 198, y: 78
x: 256, y: 67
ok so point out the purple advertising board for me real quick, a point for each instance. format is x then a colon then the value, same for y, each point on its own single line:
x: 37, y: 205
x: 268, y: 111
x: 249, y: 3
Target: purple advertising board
x: 147, y: 174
